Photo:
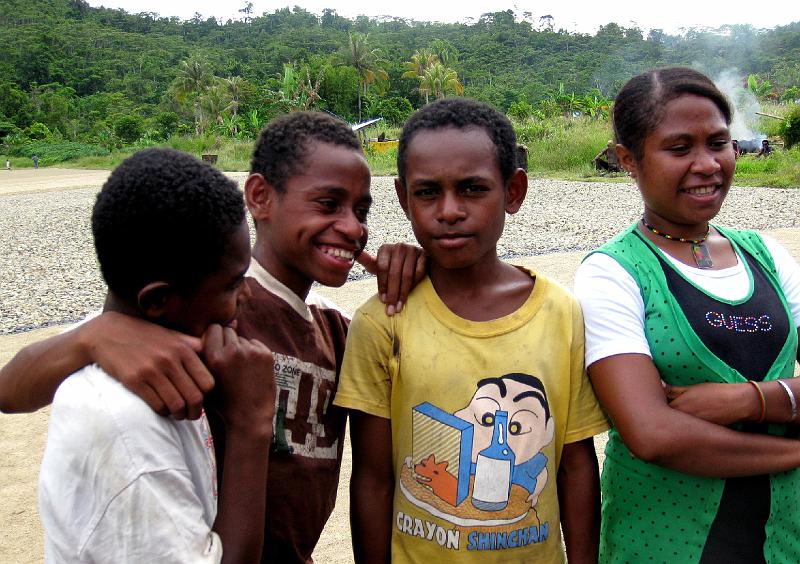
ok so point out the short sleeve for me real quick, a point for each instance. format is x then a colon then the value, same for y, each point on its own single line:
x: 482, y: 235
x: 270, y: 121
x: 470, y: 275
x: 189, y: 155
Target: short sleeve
x: 613, y: 309
x: 585, y: 417
x: 156, y: 518
x: 365, y: 381
x: 788, y: 275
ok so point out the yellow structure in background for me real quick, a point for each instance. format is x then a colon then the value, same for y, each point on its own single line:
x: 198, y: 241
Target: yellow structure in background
x: 383, y: 146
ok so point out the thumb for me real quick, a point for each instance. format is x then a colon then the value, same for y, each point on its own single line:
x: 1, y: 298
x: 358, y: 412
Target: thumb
x: 195, y: 343
x: 369, y: 262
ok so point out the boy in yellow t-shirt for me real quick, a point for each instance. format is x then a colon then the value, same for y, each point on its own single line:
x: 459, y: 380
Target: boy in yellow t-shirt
x: 472, y: 417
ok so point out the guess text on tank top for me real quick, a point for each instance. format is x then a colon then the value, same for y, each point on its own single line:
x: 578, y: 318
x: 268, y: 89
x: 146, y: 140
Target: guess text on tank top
x: 739, y: 323
x: 306, y: 389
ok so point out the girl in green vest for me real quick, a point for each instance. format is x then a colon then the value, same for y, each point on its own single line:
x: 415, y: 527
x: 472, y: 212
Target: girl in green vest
x: 691, y: 344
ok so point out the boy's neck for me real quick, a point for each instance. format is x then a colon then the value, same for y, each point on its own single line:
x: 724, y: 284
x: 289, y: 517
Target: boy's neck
x: 482, y: 292
x: 298, y: 284
x: 118, y: 305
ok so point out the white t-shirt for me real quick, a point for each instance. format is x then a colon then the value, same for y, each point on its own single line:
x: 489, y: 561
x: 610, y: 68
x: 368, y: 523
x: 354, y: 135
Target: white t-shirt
x: 613, y: 308
x: 119, y: 483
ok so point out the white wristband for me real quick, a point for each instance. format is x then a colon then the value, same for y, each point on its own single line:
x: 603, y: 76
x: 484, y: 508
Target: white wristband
x: 792, y: 399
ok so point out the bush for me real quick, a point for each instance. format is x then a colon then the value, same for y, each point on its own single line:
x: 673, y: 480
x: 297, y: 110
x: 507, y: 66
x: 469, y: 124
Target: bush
x: 395, y: 110
x: 38, y: 131
x: 521, y: 111
x: 791, y: 128
x: 167, y: 123
x: 128, y: 128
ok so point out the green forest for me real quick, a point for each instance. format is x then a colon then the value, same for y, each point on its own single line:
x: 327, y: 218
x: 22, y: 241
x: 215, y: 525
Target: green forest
x: 77, y: 81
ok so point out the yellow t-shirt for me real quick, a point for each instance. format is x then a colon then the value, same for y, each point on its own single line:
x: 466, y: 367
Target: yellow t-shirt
x: 480, y: 412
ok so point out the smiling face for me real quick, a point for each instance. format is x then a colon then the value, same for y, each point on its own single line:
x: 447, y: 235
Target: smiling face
x: 455, y: 196
x: 314, y: 228
x: 529, y: 426
x: 686, y: 168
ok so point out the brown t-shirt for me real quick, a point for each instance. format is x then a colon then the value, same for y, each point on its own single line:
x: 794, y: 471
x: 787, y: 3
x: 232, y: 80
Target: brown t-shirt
x: 307, y: 342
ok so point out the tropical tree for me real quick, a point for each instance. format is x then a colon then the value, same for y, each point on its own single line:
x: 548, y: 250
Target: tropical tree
x: 193, y: 80
x: 420, y: 62
x: 366, y: 61
x: 760, y: 88
x: 214, y: 102
x: 235, y: 88
x: 439, y: 80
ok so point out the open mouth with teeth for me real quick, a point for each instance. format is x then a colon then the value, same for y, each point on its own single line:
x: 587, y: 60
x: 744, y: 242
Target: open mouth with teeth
x: 344, y: 255
x: 701, y: 190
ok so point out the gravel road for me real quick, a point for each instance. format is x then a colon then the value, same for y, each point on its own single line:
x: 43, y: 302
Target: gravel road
x: 48, y: 273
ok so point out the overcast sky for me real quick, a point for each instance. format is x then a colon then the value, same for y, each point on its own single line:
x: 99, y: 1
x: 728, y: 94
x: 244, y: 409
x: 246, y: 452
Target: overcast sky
x: 575, y: 15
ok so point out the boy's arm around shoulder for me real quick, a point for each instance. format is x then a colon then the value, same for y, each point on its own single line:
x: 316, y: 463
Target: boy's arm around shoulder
x: 245, y: 398
x: 158, y: 365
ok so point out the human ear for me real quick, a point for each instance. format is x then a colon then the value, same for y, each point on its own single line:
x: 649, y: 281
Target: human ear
x: 154, y: 299
x: 259, y: 195
x: 516, y: 190
x: 402, y: 196
x: 627, y: 159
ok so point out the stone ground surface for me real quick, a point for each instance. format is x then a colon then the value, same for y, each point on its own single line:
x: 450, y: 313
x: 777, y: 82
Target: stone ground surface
x: 45, y: 251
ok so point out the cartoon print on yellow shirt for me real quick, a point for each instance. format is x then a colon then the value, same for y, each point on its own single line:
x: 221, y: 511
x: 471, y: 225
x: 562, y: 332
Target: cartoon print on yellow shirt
x: 482, y: 468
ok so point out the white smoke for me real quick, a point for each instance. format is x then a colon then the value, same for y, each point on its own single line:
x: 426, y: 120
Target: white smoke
x: 745, y: 120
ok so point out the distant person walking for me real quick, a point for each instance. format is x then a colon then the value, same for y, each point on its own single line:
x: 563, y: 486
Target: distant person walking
x: 35, y: 161
x: 8, y: 164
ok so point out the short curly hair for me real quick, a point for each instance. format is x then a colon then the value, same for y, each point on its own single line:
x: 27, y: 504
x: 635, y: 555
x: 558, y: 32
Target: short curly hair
x: 283, y: 145
x: 639, y: 105
x: 462, y: 113
x: 163, y: 215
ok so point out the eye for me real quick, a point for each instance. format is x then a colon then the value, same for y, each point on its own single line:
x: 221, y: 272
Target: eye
x: 425, y: 192
x: 328, y: 204
x: 487, y: 419
x: 361, y: 213
x: 720, y: 144
x: 679, y: 149
x: 474, y: 189
x: 515, y: 428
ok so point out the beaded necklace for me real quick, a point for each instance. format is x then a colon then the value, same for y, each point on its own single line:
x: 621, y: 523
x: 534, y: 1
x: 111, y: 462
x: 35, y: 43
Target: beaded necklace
x: 700, y: 253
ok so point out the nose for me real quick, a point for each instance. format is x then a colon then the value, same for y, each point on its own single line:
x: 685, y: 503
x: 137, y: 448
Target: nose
x: 450, y: 208
x: 706, y: 162
x: 244, y: 293
x: 350, y: 226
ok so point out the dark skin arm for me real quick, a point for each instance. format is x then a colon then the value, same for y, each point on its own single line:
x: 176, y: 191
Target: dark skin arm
x: 579, y: 501
x: 245, y: 398
x: 399, y: 267
x: 725, y: 404
x: 160, y: 366
x: 371, y: 488
x: 629, y: 388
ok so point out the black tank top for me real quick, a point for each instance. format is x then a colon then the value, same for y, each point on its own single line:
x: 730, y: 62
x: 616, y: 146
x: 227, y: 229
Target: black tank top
x: 747, y: 336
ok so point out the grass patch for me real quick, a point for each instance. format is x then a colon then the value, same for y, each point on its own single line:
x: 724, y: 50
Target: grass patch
x: 50, y: 152
x: 781, y: 169
x: 564, y: 147
x: 559, y: 148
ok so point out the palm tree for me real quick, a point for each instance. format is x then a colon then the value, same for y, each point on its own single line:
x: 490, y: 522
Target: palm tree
x: 234, y: 86
x: 193, y: 80
x: 366, y: 62
x: 415, y: 68
x: 439, y: 80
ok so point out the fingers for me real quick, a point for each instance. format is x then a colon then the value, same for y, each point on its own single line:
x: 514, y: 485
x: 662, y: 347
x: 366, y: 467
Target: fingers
x: 368, y: 262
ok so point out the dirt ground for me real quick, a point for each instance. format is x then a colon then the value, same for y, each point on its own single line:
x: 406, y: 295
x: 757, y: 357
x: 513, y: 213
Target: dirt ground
x: 22, y: 436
